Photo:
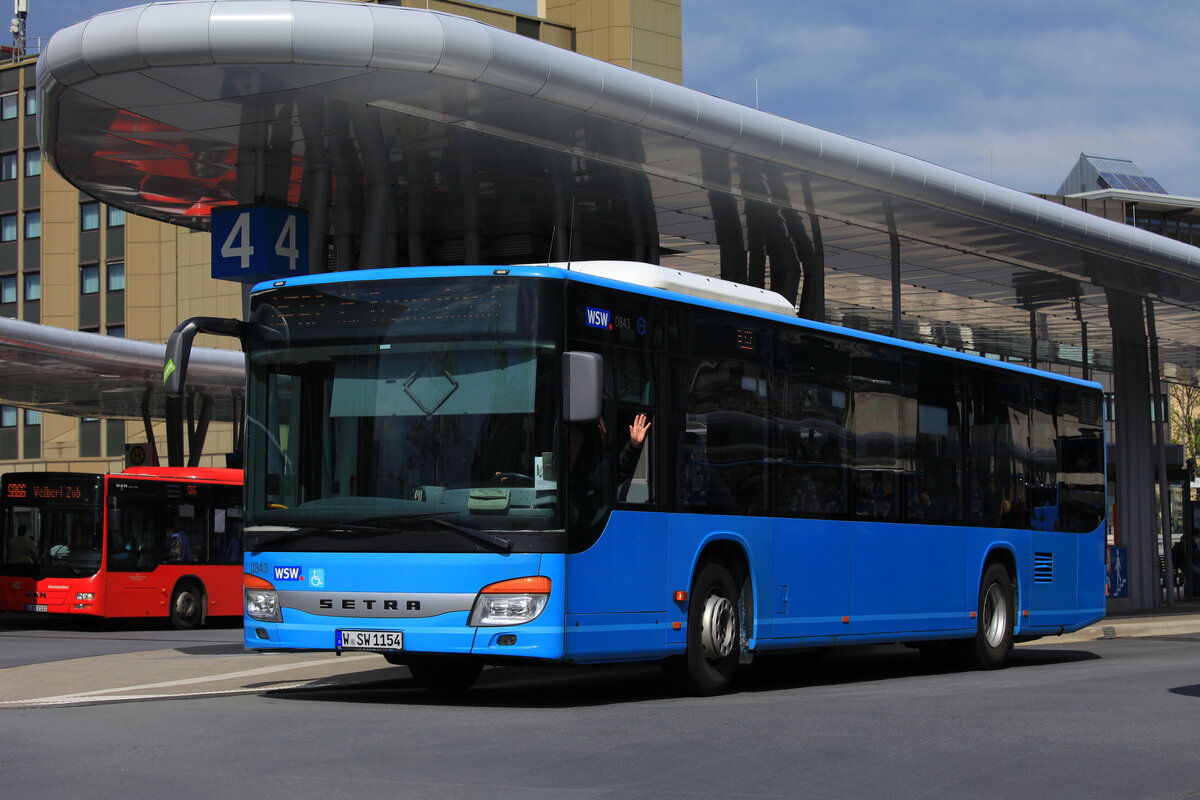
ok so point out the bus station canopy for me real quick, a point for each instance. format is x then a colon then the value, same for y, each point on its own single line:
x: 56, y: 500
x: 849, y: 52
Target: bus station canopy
x: 172, y: 109
x: 90, y: 375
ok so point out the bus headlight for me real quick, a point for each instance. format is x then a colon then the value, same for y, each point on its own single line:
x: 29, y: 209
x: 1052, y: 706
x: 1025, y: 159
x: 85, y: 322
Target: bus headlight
x: 511, y: 602
x: 85, y: 595
x: 260, y: 599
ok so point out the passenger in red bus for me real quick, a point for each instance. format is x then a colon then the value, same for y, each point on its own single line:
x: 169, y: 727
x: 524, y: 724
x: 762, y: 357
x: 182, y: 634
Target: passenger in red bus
x: 122, y: 546
x: 177, y: 547
x: 21, y: 548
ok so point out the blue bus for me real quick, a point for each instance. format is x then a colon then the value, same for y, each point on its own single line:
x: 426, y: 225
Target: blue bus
x: 611, y: 461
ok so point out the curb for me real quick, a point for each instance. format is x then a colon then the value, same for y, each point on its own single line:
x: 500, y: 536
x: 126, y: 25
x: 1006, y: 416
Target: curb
x: 1128, y: 628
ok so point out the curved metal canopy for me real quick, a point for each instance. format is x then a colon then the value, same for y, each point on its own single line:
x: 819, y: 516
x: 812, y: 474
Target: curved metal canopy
x: 90, y: 375
x: 386, y: 121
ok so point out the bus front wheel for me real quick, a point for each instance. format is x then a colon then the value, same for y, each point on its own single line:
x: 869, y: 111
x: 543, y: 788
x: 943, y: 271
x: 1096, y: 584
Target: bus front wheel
x: 187, y: 605
x: 710, y: 660
x: 994, y: 637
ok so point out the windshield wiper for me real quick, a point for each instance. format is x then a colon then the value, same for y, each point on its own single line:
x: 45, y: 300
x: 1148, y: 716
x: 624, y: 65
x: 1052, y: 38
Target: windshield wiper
x: 387, y: 522
x: 501, y: 544
x: 498, y: 542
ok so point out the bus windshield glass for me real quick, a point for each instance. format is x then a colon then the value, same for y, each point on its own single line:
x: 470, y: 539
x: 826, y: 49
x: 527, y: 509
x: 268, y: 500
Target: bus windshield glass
x: 53, y: 527
x: 407, y: 405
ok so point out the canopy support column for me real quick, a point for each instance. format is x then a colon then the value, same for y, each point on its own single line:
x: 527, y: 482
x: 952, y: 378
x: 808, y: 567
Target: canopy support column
x: 1158, y: 398
x: 1134, y: 518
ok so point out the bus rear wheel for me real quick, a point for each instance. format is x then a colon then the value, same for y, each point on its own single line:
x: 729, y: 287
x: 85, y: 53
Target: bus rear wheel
x: 708, y: 665
x: 187, y: 605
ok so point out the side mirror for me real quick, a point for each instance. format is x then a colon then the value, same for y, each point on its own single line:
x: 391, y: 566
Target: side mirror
x: 583, y: 386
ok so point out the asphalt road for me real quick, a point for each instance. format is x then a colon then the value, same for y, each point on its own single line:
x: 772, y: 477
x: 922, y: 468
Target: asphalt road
x: 151, y: 712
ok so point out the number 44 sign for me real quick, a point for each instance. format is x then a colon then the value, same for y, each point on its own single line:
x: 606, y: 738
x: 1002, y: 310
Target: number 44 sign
x: 259, y: 243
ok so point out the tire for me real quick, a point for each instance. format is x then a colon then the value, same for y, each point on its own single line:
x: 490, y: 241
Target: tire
x: 443, y: 674
x: 187, y: 605
x: 993, y: 640
x: 708, y: 665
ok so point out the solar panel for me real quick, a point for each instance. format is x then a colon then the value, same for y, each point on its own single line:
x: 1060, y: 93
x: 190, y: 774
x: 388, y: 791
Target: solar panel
x: 1114, y: 174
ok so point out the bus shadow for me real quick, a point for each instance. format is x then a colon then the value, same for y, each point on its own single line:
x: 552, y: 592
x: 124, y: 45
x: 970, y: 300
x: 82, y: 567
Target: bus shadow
x: 554, y: 687
x: 862, y: 665
x: 1187, y: 691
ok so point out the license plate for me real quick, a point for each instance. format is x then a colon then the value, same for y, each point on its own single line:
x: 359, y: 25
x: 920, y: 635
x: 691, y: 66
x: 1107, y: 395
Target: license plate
x: 370, y: 640
x: 39, y: 607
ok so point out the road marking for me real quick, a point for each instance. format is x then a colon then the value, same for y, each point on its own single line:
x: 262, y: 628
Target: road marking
x: 71, y: 699
x: 100, y: 694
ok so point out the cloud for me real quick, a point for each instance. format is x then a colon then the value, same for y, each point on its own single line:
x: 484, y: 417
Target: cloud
x: 1015, y: 90
x: 1038, y: 159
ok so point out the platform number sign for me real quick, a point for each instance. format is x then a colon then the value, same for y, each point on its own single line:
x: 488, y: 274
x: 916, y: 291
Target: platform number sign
x: 258, y: 243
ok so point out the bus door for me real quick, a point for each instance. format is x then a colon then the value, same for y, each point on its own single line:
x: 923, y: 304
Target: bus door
x: 811, y: 486
x: 909, y: 547
x: 134, y: 547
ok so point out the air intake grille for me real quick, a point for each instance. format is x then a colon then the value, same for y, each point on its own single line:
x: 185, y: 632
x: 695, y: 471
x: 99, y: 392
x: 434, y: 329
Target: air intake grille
x: 1043, y: 567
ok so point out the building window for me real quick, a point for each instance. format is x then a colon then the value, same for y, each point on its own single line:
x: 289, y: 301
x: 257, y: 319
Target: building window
x: 117, y: 331
x: 8, y: 166
x: 116, y: 276
x: 89, y: 216
x: 89, y: 437
x: 33, y: 224
x: 33, y: 286
x: 116, y: 217
x: 8, y: 227
x: 8, y: 416
x: 33, y: 163
x: 8, y: 288
x: 33, y: 434
x: 31, y: 102
x: 89, y: 279
x: 8, y: 106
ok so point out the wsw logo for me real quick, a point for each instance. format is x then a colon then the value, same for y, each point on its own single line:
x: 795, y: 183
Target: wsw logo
x: 599, y: 318
x: 289, y: 573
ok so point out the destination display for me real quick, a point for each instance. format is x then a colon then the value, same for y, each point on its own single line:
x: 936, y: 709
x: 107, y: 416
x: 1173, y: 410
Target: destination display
x: 53, y: 490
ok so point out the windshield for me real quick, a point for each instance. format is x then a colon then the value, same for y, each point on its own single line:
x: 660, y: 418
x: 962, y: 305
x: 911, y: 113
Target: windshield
x: 411, y: 401
x: 52, y: 526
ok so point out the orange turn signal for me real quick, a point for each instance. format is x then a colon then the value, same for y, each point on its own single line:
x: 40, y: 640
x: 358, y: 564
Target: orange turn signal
x: 255, y: 582
x: 536, y: 584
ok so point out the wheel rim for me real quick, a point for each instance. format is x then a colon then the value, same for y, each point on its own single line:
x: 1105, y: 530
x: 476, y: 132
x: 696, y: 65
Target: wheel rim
x: 995, y: 616
x: 717, y: 627
x: 185, y: 605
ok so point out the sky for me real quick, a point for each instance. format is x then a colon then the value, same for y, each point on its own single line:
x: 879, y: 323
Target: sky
x: 1009, y: 91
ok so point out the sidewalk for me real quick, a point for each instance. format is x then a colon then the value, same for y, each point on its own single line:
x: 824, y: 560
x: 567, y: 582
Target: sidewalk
x: 1183, y: 617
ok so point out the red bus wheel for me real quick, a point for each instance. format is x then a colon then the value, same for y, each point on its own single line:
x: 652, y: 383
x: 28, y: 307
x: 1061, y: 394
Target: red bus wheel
x: 187, y: 605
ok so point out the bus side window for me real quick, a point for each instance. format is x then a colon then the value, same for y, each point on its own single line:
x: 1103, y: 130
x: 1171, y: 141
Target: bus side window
x: 634, y: 393
x: 135, y: 538
x: 227, y: 527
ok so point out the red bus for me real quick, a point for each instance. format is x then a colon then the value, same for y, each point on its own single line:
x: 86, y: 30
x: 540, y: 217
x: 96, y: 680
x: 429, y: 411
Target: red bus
x: 146, y: 542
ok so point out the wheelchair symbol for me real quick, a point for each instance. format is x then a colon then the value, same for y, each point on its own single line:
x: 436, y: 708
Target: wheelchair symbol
x: 316, y: 578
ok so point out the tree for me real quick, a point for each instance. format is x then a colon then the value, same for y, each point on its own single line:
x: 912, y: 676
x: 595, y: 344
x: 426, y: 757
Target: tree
x: 1185, y: 418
